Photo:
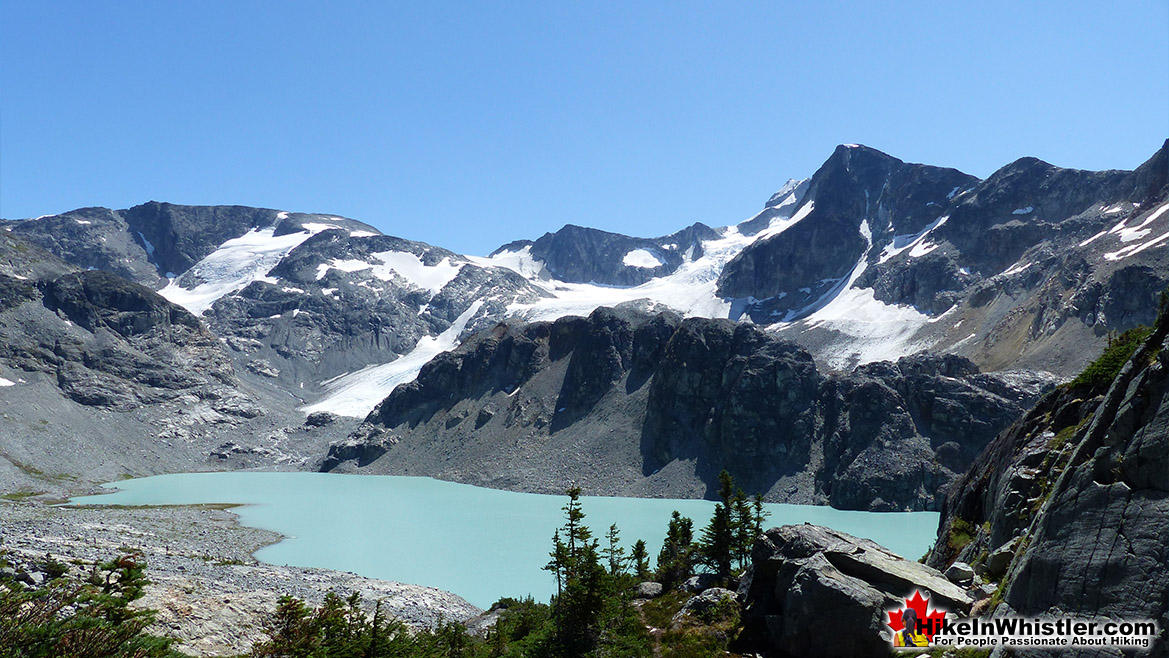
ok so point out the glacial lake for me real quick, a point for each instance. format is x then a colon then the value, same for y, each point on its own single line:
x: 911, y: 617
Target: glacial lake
x: 481, y: 544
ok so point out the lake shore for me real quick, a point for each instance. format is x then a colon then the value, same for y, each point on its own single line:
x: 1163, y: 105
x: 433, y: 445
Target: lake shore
x: 211, y: 593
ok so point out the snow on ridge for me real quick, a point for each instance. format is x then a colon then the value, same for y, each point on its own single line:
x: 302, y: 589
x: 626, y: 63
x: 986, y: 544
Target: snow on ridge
x: 521, y: 262
x: 914, y: 241
x: 355, y: 394
x: 780, y: 224
x: 362, y: 234
x: 317, y: 227
x: 1138, y: 232
x: 1015, y: 269
x: 1135, y: 249
x: 237, y: 263
x: 642, y: 258
x: 874, y: 330
x: 401, y: 263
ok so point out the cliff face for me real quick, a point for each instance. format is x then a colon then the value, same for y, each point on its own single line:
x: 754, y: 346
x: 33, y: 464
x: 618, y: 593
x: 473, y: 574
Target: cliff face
x: 630, y: 403
x: 1069, y: 508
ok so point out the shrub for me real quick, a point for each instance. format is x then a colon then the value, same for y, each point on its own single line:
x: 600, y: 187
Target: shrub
x: 1101, y: 372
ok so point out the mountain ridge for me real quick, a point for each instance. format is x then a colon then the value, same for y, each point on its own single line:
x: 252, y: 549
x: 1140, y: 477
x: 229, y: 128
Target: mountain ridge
x: 869, y: 260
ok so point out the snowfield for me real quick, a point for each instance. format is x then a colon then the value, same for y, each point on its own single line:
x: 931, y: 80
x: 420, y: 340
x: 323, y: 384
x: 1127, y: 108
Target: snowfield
x: 237, y: 263
x: 357, y: 393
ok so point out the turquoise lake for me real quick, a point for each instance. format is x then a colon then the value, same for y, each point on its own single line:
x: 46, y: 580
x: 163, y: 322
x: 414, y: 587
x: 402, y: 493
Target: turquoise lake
x: 481, y: 544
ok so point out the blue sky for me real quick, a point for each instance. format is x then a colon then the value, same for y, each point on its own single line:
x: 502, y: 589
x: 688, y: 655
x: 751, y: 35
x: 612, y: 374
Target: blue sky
x: 473, y: 124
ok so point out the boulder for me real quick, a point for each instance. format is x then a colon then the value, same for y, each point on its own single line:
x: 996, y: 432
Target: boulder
x: 648, y: 590
x: 320, y: 419
x: 960, y: 572
x: 702, y: 607
x: 801, y: 576
x: 998, y: 561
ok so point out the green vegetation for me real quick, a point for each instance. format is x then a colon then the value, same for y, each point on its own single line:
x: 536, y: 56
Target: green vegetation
x: 726, y: 543
x: 1101, y: 372
x: 21, y: 495
x: 91, y: 618
x: 341, y: 629
x: 960, y: 534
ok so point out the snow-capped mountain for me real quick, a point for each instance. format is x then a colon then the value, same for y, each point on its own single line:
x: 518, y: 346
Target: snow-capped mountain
x: 868, y: 259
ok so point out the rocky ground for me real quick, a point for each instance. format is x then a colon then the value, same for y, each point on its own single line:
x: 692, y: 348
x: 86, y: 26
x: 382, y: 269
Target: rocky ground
x: 208, y: 589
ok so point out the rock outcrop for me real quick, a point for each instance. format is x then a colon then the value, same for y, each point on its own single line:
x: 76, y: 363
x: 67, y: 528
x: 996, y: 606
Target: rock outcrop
x: 1068, y: 508
x: 628, y: 402
x: 812, y: 591
x: 577, y: 254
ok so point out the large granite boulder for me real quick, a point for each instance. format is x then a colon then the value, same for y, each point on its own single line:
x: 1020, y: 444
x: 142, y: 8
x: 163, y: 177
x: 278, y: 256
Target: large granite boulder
x: 806, y: 579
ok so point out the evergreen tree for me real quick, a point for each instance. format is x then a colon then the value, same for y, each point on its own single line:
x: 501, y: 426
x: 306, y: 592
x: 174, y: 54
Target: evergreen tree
x: 676, y: 559
x: 614, y: 554
x: 639, y: 556
x: 727, y: 540
x: 592, y: 615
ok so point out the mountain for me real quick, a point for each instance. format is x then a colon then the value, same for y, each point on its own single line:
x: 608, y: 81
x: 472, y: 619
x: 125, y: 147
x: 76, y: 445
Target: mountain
x: 1067, y: 510
x: 101, y: 377
x: 629, y: 403
x: 866, y: 262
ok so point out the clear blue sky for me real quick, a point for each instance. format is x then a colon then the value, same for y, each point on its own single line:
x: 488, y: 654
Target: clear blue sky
x: 472, y: 124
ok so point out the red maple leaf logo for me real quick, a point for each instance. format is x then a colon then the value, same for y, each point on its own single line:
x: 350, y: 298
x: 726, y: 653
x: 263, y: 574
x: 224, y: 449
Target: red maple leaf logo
x: 925, y: 615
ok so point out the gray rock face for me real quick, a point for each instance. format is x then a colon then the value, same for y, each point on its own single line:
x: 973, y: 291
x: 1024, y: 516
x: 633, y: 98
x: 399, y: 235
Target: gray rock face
x: 1074, y: 500
x: 856, y: 184
x: 801, y: 574
x: 646, y: 398
x: 109, y: 342
x: 582, y: 255
x: 1032, y: 264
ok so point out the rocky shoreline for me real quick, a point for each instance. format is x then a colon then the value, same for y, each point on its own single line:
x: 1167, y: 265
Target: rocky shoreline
x: 209, y: 591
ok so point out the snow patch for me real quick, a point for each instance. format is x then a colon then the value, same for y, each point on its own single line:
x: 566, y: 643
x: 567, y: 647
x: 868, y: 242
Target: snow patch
x: 1023, y: 211
x: 362, y: 234
x: 875, y: 331
x: 521, y: 262
x: 1135, y: 249
x: 146, y: 244
x: 1015, y: 269
x: 85, y: 222
x: 237, y: 263
x: 317, y: 227
x: 357, y: 393
x: 6, y: 382
x: 921, y: 249
x: 1138, y: 232
x: 399, y: 263
x: 1092, y: 239
x: 642, y: 258
x: 914, y: 241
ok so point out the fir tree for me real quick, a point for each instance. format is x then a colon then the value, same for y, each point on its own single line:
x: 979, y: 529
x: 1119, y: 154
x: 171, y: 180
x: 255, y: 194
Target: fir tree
x: 639, y: 556
x: 676, y: 559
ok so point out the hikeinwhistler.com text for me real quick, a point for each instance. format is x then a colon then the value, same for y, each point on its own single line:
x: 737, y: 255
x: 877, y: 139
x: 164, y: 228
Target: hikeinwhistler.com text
x: 1044, y: 632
